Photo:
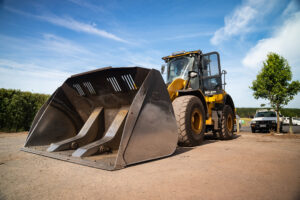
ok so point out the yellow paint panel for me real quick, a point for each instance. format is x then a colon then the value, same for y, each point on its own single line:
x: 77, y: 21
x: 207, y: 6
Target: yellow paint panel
x: 217, y: 98
x: 177, y: 84
x: 209, y: 121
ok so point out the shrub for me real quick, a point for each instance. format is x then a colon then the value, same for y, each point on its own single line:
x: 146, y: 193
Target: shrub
x: 17, y: 109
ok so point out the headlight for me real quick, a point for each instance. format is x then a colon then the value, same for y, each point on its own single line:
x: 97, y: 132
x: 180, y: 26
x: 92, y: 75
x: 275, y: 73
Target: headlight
x: 274, y: 122
x: 253, y: 122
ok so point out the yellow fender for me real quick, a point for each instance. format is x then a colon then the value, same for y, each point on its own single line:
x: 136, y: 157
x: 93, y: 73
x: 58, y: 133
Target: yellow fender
x: 177, y: 84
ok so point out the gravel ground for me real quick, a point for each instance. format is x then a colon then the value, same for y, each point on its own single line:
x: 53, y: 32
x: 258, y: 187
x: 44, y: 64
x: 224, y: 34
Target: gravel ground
x: 251, y: 166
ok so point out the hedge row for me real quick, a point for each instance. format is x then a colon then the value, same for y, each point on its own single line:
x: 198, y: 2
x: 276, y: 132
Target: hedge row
x: 17, y: 109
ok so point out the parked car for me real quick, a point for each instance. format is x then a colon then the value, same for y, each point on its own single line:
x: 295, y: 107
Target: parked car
x: 265, y: 120
x: 286, y: 121
x: 296, y: 121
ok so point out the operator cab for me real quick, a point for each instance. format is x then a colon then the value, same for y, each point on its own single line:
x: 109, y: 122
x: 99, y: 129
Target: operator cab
x: 207, y: 67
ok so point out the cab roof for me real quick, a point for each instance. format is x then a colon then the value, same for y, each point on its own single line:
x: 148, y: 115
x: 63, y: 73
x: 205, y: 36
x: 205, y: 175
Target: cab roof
x: 181, y: 53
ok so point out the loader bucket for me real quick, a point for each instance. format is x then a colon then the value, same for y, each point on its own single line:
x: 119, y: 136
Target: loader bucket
x: 107, y: 118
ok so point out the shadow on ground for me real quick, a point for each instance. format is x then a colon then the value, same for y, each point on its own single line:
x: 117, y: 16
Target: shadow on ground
x: 208, y: 139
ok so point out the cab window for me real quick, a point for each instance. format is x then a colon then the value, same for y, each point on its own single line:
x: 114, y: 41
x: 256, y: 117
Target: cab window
x: 211, y: 77
x: 210, y: 65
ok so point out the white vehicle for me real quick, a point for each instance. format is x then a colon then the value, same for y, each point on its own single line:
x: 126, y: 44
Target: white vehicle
x: 265, y: 120
x: 286, y: 120
x: 296, y: 121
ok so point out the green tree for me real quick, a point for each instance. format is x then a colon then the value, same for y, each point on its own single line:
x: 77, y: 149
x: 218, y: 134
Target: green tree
x: 274, y: 83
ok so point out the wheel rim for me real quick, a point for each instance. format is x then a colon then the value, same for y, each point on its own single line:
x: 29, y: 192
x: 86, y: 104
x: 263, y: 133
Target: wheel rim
x: 229, y: 123
x: 196, y: 121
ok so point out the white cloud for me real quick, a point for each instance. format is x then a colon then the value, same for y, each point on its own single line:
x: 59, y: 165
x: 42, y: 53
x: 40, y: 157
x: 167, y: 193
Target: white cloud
x: 292, y: 7
x: 285, y: 41
x: 235, y: 24
x: 70, y: 23
x: 32, y: 69
x: 185, y: 36
x: 146, y: 58
x: 62, y: 46
x: 41, y: 64
x: 88, y: 5
x: 48, y: 50
x: 30, y: 77
x: 242, y: 19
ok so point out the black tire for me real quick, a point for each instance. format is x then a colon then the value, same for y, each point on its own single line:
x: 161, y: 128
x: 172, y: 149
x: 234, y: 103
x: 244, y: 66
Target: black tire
x: 253, y: 130
x: 227, y: 123
x: 190, y: 117
x: 215, y: 134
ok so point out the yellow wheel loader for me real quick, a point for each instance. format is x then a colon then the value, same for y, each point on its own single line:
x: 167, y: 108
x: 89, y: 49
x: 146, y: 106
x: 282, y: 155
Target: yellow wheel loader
x: 198, y: 96
x: 114, y: 117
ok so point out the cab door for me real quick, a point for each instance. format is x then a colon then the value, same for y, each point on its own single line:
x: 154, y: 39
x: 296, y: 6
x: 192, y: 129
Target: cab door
x: 210, y: 70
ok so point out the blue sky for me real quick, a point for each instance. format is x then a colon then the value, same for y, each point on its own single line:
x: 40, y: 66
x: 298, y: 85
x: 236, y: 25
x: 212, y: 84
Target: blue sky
x: 43, y: 42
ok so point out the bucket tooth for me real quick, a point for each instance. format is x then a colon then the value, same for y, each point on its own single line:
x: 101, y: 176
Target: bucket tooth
x: 107, y: 141
x: 87, y: 134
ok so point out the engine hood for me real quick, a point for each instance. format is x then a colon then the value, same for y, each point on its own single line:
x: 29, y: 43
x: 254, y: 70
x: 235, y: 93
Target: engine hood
x: 264, y: 119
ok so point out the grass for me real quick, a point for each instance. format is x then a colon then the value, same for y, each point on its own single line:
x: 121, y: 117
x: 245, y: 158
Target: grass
x: 246, y: 121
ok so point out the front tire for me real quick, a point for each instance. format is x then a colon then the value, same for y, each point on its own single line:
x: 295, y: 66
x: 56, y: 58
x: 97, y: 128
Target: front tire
x: 253, y: 130
x: 190, y: 117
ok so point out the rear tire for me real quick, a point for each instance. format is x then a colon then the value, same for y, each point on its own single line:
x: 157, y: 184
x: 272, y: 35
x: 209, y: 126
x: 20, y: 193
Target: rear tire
x: 227, y: 123
x: 190, y: 118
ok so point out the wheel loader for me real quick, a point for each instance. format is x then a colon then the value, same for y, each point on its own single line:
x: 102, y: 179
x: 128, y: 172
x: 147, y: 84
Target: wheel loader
x: 110, y: 118
x: 199, y: 100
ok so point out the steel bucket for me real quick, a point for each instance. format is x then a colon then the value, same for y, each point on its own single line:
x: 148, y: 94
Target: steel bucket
x: 107, y: 118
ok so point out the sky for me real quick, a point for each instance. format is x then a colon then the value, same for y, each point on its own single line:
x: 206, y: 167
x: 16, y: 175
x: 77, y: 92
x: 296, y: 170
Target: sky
x: 43, y: 42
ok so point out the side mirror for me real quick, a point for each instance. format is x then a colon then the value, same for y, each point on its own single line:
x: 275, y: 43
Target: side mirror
x: 193, y: 74
x: 162, y: 69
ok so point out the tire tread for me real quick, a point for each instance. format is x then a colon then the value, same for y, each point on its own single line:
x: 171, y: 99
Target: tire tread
x: 179, y: 105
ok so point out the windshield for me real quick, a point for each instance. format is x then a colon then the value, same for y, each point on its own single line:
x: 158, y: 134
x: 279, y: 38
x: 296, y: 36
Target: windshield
x: 265, y: 114
x: 179, y: 68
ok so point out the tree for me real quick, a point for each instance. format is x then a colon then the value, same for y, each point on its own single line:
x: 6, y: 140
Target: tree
x: 274, y: 83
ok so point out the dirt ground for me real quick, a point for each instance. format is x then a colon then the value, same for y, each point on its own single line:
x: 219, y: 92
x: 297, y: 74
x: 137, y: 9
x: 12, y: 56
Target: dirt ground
x: 251, y: 166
